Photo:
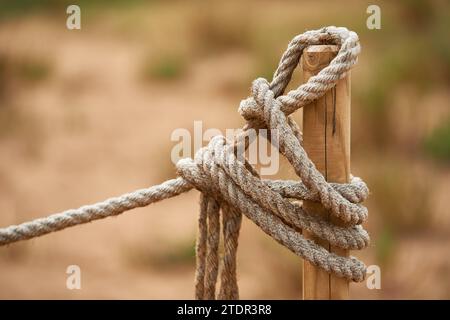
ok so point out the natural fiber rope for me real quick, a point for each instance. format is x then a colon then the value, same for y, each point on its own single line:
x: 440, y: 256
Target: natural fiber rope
x: 231, y: 187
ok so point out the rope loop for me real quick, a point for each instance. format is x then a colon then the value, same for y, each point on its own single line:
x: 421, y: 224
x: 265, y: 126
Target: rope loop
x: 230, y: 187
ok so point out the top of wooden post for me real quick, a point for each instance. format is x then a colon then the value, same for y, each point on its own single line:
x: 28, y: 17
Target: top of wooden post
x: 317, y: 57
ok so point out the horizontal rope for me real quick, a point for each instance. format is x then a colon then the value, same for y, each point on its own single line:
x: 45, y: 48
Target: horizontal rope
x: 88, y: 213
x: 230, y: 186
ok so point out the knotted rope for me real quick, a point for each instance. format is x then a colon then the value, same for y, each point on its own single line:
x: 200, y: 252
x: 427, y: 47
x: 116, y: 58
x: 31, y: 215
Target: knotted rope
x: 231, y: 187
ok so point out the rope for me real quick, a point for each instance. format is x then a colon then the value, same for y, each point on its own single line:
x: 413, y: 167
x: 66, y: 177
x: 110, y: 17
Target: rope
x: 230, y: 186
x: 108, y: 208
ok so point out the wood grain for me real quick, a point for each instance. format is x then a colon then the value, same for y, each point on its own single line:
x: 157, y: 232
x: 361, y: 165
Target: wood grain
x: 326, y: 134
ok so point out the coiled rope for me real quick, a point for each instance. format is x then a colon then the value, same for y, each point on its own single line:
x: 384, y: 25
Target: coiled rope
x: 230, y: 186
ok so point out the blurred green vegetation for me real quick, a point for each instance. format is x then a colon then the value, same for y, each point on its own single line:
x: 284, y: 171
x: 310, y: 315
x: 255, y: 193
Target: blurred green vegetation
x: 384, y: 246
x: 3, y: 77
x: 437, y: 144
x: 12, y: 9
x: 18, y: 70
x: 33, y: 70
x: 217, y: 28
x: 415, y: 52
x: 403, y: 196
x: 168, y: 255
x: 165, y: 67
x: 17, y: 73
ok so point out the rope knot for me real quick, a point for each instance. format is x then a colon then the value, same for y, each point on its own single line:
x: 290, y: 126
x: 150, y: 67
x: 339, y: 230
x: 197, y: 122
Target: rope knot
x: 258, y: 106
x: 230, y: 186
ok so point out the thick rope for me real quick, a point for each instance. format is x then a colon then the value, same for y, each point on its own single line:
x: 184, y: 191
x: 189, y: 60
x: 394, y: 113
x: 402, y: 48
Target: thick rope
x: 230, y: 186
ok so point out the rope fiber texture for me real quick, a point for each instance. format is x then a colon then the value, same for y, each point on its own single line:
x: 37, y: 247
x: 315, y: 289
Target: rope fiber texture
x: 230, y: 186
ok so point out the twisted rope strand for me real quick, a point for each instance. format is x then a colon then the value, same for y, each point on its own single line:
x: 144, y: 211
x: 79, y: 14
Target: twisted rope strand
x: 212, y: 248
x: 200, y: 249
x: 228, y: 279
x: 101, y: 210
x: 230, y: 186
x: 209, y: 176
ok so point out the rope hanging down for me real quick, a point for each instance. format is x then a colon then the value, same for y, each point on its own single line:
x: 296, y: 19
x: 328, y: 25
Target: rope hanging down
x: 230, y: 187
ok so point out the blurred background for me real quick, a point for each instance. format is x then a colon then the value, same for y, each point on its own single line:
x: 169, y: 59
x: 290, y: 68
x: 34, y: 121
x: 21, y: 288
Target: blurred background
x: 87, y: 114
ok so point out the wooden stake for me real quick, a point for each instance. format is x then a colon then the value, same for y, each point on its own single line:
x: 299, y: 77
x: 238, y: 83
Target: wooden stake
x: 326, y: 139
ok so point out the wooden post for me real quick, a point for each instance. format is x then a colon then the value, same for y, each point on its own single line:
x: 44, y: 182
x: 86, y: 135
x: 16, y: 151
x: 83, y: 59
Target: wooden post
x: 326, y: 139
